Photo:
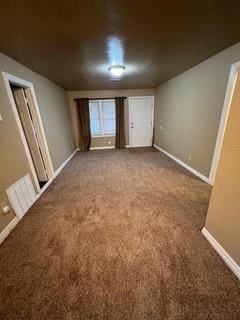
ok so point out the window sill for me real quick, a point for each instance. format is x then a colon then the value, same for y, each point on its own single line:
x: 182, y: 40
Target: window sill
x: 103, y: 136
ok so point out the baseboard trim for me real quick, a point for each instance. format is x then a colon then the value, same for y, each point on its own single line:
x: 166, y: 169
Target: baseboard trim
x: 222, y: 253
x: 56, y: 173
x: 44, y: 188
x: 186, y: 166
x: 107, y: 147
x: 5, y: 233
x: 102, y: 148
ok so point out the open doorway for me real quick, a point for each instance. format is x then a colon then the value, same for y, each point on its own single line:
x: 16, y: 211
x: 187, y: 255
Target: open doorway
x: 26, y: 112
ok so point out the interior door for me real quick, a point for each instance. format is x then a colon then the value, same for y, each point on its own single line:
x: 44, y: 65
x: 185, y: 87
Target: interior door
x: 30, y: 133
x: 141, y: 121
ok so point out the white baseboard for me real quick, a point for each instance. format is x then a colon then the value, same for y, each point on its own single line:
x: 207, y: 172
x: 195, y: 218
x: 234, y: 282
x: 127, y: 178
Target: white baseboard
x: 56, y: 173
x: 8, y: 229
x: 186, y: 166
x: 107, y: 147
x: 102, y: 148
x: 44, y: 188
x: 223, y: 254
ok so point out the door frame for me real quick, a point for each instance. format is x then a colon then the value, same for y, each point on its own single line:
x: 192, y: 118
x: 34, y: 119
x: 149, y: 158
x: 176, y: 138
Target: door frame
x: 234, y: 72
x: 11, y: 79
x: 130, y: 115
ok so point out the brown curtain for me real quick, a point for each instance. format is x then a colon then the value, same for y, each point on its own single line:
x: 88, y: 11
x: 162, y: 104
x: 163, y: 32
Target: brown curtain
x: 84, y: 124
x: 120, y: 127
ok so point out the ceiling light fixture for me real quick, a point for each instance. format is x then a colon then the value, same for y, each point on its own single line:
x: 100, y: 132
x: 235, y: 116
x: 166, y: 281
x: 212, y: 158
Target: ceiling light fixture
x: 116, y: 71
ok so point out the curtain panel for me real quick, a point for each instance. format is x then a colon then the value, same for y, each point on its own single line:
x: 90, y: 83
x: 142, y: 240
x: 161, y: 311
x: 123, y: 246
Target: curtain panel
x: 120, y: 123
x: 84, y: 124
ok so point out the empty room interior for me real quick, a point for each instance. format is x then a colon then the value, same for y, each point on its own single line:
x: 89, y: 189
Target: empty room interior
x: 120, y: 160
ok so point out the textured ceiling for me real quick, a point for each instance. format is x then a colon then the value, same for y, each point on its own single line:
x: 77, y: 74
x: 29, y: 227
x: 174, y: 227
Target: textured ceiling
x: 73, y: 42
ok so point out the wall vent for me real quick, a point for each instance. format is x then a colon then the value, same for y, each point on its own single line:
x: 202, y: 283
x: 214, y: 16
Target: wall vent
x: 22, y: 195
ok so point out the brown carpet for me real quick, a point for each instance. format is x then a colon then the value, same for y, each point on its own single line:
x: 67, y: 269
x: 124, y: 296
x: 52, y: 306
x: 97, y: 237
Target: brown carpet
x: 117, y: 236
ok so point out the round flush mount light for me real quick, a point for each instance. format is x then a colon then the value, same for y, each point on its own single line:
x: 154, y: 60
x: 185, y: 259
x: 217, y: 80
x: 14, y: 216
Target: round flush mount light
x: 116, y: 71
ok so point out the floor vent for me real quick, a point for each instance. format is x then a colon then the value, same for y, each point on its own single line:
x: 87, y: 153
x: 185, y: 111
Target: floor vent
x: 22, y: 195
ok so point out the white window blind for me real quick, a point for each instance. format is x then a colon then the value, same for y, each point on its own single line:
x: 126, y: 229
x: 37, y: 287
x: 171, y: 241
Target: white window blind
x: 102, y: 117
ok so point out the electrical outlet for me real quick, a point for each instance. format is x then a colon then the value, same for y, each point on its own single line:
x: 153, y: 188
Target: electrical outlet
x: 109, y: 142
x: 189, y: 157
x: 5, y: 208
x: 161, y: 127
x: 3, y: 204
x: 1, y: 118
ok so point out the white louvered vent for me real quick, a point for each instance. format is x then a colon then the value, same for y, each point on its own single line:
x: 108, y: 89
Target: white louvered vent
x: 22, y: 195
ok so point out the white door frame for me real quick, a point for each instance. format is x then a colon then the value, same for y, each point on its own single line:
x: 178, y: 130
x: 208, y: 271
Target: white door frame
x: 234, y: 71
x: 11, y: 79
x: 129, y: 115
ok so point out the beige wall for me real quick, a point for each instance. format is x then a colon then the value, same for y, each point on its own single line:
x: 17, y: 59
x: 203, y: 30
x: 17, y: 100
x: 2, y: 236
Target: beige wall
x: 223, y: 218
x: 54, y: 110
x: 189, y: 107
x: 103, y: 142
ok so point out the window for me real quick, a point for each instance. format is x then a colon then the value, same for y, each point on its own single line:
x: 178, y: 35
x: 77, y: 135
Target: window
x: 102, y: 117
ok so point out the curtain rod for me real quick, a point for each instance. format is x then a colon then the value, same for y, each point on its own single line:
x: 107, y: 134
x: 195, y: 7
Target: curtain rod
x: 100, y: 98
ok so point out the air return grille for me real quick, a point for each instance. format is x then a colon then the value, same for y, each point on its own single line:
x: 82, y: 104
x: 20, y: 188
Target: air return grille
x: 21, y: 195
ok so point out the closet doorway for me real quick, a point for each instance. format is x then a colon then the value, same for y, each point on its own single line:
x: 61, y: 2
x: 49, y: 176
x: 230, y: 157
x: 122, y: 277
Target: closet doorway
x: 25, y: 109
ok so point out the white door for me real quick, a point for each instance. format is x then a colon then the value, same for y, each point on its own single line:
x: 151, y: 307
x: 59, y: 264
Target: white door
x: 141, y: 112
x: 30, y: 133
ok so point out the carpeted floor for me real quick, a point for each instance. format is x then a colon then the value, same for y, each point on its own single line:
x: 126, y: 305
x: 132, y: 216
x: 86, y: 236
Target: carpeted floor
x: 117, y: 236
